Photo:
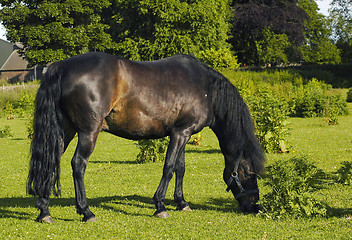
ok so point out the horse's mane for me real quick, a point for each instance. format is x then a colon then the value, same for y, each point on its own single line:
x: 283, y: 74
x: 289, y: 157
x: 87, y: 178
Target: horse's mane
x: 233, y: 114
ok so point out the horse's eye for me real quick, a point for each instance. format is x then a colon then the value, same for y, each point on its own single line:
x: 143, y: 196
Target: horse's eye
x: 247, y: 172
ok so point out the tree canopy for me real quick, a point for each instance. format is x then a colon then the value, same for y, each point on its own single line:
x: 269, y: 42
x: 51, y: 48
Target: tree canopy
x: 141, y: 30
x: 258, y: 32
x: 341, y: 22
x: 317, y: 47
x: 148, y: 30
x: 54, y: 30
x: 253, y: 17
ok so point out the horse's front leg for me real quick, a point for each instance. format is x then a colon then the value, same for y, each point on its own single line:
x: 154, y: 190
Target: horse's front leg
x: 79, y: 163
x: 175, y: 149
x: 180, y: 172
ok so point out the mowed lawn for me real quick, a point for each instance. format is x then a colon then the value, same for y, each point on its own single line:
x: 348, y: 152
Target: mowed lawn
x: 120, y: 191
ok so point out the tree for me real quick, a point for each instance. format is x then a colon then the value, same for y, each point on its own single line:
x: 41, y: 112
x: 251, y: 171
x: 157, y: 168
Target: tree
x: 318, y: 48
x: 273, y: 48
x: 141, y: 30
x: 252, y: 17
x: 54, y: 30
x: 341, y: 21
x: 149, y: 30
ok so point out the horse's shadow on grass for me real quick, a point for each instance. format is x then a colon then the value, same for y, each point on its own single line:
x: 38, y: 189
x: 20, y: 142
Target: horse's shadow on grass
x: 131, y: 205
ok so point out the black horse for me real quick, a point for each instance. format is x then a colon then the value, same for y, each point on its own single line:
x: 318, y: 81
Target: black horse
x: 177, y: 97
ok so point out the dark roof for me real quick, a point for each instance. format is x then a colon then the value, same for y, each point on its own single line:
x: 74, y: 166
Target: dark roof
x: 14, y: 62
x: 6, y: 48
x: 11, y: 57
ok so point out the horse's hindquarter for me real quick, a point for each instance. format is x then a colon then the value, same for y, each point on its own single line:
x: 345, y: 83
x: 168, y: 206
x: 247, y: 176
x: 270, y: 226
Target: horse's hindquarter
x: 88, y: 84
x: 152, y: 98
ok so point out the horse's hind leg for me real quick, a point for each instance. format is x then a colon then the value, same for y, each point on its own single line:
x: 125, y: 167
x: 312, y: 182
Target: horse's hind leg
x: 85, y: 147
x: 43, y: 203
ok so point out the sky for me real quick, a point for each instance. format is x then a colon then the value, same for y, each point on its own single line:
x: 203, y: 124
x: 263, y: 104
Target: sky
x: 323, y: 5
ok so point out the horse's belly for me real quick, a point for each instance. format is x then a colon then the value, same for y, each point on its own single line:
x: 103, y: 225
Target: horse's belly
x: 134, y: 126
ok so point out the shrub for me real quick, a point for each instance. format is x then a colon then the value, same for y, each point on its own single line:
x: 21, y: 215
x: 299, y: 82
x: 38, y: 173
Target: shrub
x: 222, y: 58
x: 312, y: 100
x: 196, y: 139
x: 344, y: 173
x: 291, y: 183
x: 24, y: 106
x: 5, y: 132
x: 152, y: 150
x: 29, y: 125
x: 335, y: 106
x: 9, y: 110
x: 349, y: 95
x: 272, y: 48
x: 270, y: 115
x: 18, y: 102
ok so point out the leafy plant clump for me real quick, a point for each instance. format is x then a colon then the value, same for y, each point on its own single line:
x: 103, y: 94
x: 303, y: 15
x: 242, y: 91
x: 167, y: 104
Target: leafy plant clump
x: 222, y: 58
x: 17, y: 103
x: 349, y: 95
x: 344, y: 173
x: 152, y: 150
x: 5, y: 132
x: 196, y: 139
x: 292, y: 184
x: 313, y: 100
x: 270, y: 115
x: 29, y: 127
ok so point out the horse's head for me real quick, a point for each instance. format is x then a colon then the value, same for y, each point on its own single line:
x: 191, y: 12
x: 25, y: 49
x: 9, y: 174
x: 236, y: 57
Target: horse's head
x: 242, y: 181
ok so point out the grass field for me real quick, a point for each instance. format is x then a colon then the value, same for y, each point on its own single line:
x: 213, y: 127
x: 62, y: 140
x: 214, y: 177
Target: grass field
x: 120, y: 191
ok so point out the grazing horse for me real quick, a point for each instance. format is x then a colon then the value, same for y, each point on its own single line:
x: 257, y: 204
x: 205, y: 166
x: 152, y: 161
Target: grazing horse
x: 177, y: 96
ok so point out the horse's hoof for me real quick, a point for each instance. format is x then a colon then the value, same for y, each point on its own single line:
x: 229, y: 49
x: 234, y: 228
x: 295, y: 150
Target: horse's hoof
x: 47, y: 219
x: 162, y: 214
x: 186, y: 209
x: 93, y: 219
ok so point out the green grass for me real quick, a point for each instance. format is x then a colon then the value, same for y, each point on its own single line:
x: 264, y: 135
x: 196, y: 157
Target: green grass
x: 120, y: 191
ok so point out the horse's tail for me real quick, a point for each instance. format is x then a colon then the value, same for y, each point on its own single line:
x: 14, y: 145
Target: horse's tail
x: 47, y: 143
